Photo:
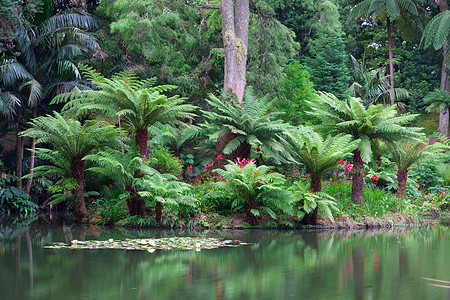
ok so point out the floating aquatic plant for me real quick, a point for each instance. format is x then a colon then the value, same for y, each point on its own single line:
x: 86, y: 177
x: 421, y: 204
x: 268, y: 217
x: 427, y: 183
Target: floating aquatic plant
x: 150, y: 245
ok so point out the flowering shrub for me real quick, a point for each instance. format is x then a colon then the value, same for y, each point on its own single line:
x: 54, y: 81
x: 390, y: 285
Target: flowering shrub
x: 242, y: 162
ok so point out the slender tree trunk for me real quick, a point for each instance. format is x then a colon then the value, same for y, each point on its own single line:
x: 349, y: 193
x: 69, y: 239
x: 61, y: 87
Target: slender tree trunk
x: 77, y: 172
x: 402, y: 176
x: 32, y: 157
x: 357, y: 178
x: 235, y: 23
x: 19, y: 158
x: 444, y: 114
x: 315, y: 187
x: 445, y: 85
x: 391, y: 65
x: 141, y: 140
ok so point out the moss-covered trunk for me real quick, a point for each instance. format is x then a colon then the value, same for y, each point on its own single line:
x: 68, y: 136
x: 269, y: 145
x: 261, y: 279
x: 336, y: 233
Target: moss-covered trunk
x: 357, y: 178
x: 402, y: 176
x: 141, y: 140
x: 135, y: 204
x: 315, y: 187
x: 77, y: 173
x: 251, y: 218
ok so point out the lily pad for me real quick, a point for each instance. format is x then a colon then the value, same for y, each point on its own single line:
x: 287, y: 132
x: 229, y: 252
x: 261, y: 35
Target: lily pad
x: 150, y: 245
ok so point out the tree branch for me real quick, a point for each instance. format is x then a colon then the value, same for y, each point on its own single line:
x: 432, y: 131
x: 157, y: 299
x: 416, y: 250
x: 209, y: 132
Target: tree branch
x: 209, y: 6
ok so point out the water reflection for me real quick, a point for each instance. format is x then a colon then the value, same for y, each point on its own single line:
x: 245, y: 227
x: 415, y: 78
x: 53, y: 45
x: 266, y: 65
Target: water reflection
x: 396, y: 264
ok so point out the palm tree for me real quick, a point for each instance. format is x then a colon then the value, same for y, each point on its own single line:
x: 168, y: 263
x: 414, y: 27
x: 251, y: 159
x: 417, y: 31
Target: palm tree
x: 370, y: 126
x: 48, y: 49
x: 405, y: 154
x: 371, y: 86
x: 318, y: 155
x: 390, y: 10
x: 74, y: 140
x: 235, y: 129
x: 138, y: 103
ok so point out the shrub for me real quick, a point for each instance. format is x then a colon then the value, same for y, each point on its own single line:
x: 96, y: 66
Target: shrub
x: 165, y: 162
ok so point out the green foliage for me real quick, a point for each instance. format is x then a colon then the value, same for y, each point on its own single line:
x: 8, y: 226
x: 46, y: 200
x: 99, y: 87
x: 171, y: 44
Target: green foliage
x: 371, y: 125
x: 437, y: 31
x: 425, y: 175
x: 166, y: 190
x: 254, y: 185
x: 253, y: 123
x: 372, y: 87
x: 327, y: 65
x: 305, y: 202
x: 12, y: 199
x: 319, y: 155
x: 138, y: 103
x: 437, y: 100
x: 112, y: 209
x: 162, y: 160
x: 70, y: 137
x: 295, y: 88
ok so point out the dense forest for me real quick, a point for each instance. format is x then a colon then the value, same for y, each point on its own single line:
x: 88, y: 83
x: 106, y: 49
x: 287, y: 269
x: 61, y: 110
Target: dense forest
x: 183, y: 113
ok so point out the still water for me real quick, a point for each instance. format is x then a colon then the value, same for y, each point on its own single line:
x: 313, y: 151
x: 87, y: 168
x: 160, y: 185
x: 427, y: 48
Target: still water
x: 386, y: 264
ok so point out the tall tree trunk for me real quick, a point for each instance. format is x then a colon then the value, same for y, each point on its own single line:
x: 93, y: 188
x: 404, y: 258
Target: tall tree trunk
x: 235, y: 23
x: 357, y: 178
x: 445, y: 85
x: 315, y: 187
x: 77, y: 172
x: 402, y: 176
x: 32, y: 157
x: 158, y: 212
x: 141, y: 140
x: 391, y: 65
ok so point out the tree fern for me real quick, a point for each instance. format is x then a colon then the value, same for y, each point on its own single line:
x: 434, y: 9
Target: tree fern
x: 251, y: 125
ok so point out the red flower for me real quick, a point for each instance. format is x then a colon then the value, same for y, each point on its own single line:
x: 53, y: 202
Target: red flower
x: 374, y: 177
x: 258, y: 149
x: 349, y: 207
x: 219, y: 157
x: 364, y: 174
x: 189, y: 169
x: 340, y: 161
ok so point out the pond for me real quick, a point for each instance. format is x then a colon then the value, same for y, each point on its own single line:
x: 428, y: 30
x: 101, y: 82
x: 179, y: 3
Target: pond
x: 385, y: 264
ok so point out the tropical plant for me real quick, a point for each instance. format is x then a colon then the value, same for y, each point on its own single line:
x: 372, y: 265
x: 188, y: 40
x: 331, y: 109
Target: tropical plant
x: 439, y: 101
x: 42, y: 61
x: 125, y: 168
x: 162, y: 160
x: 12, y: 199
x: 405, y: 154
x: 74, y: 140
x: 370, y: 126
x: 371, y: 86
x: 138, y: 103
x: 254, y: 188
x: 165, y: 191
x: 306, y: 203
x: 235, y: 129
x: 389, y: 10
x: 318, y: 155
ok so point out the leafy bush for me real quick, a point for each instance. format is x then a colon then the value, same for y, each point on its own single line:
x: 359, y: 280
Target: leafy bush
x: 165, y: 162
x: 12, y: 199
x: 255, y: 189
x: 305, y: 202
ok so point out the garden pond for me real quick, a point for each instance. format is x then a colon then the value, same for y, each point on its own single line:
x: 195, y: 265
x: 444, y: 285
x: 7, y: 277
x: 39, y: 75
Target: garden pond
x: 400, y: 263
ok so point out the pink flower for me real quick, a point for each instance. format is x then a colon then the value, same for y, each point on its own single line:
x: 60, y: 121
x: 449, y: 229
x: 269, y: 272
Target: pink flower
x: 208, y: 166
x: 374, y: 177
x: 340, y: 161
x: 189, y: 169
x: 364, y: 174
x: 241, y: 162
x: 219, y: 157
